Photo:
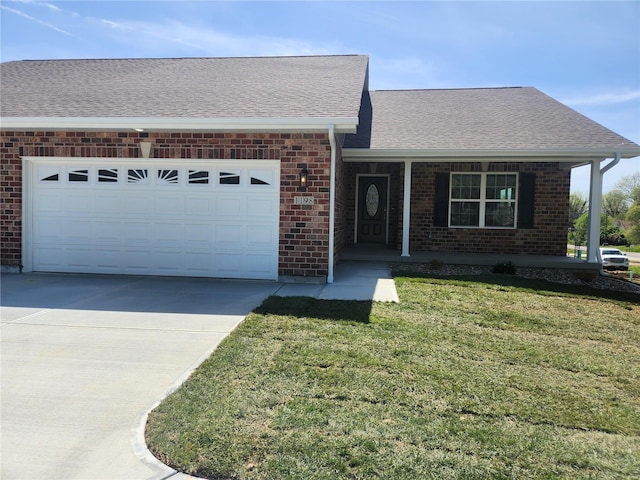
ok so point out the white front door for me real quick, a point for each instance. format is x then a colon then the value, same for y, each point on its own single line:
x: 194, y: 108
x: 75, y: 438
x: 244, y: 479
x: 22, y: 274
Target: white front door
x: 152, y: 217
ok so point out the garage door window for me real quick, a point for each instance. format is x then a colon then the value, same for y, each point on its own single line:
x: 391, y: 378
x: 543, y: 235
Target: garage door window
x: 79, y: 175
x: 138, y: 176
x: 167, y: 177
x: 198, y: 177
x: 108, y: 175
x: 48, y: 174
x: 229, y: 178
x: 255, y: 178
x: 261, y: 177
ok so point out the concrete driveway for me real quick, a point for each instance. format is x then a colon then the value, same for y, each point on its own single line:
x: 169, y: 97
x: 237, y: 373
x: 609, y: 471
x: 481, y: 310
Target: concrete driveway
x: 84, y: 357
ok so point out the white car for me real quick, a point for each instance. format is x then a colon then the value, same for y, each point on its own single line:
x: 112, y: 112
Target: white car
x: 614, y: 259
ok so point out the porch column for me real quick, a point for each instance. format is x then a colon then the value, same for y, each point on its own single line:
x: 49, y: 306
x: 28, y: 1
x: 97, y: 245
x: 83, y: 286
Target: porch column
x: 595, y: 207
x: 595, y: 210
x: 406, y: 208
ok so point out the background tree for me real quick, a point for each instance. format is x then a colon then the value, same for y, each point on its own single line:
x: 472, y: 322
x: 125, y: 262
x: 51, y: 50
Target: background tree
x: 615, y: 204
x: 633, y: 217
x: 614, y: 208
x: 577, y: 206
x: 609, y: 235
x: 578, y: 233
x: 629, y: 185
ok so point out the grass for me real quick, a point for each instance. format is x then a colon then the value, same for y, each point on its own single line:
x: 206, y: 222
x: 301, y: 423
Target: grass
x: 485, y: 377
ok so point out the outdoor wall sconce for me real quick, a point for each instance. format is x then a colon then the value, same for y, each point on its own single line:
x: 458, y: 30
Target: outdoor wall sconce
x: 304, y: 177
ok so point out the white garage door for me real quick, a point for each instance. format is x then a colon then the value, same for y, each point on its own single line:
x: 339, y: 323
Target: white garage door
x: 149, y: 217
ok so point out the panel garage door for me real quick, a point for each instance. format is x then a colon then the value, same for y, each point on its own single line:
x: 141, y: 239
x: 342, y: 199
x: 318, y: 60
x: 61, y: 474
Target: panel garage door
x: 213, y: 219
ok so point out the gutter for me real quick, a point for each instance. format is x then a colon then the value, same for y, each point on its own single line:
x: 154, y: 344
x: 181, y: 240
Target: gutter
x: 398, y: 155
x: 340, y: 124
x: 332, y: 202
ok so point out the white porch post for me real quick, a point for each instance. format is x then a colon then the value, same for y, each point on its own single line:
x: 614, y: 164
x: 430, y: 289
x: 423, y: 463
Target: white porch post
x: 595, y: 207
x: 406, y: 208
x: 595, y: 210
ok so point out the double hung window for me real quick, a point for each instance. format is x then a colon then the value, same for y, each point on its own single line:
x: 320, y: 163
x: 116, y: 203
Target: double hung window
x: 483, y: 200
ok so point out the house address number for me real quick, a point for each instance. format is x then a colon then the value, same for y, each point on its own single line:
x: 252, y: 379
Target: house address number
x: 303, y: 200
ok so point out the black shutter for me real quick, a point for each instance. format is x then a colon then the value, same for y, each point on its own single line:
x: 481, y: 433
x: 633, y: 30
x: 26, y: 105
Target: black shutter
x: 441, y: 201
x: 526, y: 200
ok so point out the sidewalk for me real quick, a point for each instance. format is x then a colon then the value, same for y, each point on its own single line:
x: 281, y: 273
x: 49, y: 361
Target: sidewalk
x: 352, y: 281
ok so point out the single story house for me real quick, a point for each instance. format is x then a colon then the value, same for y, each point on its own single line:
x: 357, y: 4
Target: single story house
x: 269, y: 168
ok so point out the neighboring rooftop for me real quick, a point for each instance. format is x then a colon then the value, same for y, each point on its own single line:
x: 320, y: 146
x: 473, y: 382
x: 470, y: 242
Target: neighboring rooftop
x: 256, y: 87
x: 516, y: 118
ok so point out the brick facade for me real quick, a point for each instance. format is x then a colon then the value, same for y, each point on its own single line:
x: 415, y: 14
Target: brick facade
x: 341, y: 219
x: 303, y: 245
x: 548, y: 237
x: 10, y: 202
x: 304, y: 229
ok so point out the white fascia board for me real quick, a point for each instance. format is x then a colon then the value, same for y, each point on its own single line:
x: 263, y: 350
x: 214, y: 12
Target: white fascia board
x: 465, y: 155
x: 342, y: 125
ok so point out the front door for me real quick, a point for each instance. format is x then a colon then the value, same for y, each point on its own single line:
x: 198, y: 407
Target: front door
x: 372, y: 209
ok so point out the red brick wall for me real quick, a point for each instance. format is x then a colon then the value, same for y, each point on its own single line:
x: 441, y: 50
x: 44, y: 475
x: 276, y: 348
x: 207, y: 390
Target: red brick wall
x: 550, y: 220
x: 341, y: 223
x: 10, y: 202
x: 303, y: 229
x: 548, y: 237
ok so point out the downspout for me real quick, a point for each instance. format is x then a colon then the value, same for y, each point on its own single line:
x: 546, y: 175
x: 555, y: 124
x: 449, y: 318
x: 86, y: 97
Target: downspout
x: 607, y: 167
x: 595, y: 209
x: 332, y: 202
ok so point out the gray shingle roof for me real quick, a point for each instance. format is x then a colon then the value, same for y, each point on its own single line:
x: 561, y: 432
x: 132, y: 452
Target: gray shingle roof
x: 259, y: 87
x: 517, y: 118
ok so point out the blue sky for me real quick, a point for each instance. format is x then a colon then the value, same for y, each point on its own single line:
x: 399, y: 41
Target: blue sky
x: 585, y: 54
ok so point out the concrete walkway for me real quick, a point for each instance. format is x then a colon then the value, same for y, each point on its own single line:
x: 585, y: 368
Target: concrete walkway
x: 352, y: 281
x: 86, y: 357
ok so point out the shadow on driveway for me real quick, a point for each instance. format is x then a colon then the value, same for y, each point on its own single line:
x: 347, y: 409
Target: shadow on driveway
x: 132, y: 293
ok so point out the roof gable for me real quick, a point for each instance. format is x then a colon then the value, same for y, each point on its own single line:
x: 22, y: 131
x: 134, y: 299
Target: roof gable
x: 258, y: 87
x: 519, y: 118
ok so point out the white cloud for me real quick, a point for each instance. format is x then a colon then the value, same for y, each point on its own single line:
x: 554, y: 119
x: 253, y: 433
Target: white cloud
x: 604, y: 98
x: 33, y: 19
x: 50, y: 6
x: 207, y: 41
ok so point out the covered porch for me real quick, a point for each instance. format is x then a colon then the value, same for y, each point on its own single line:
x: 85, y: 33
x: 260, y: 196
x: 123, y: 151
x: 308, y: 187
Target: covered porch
x: 405, y: 242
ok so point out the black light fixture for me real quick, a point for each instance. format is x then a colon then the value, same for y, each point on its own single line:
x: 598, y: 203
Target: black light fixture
x: 304, y: 177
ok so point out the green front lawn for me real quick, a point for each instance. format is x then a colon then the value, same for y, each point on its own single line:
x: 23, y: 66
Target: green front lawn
x: 478, y: 377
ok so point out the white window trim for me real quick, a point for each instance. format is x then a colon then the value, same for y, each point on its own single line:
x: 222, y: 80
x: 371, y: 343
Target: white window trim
x: 483, y: 200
